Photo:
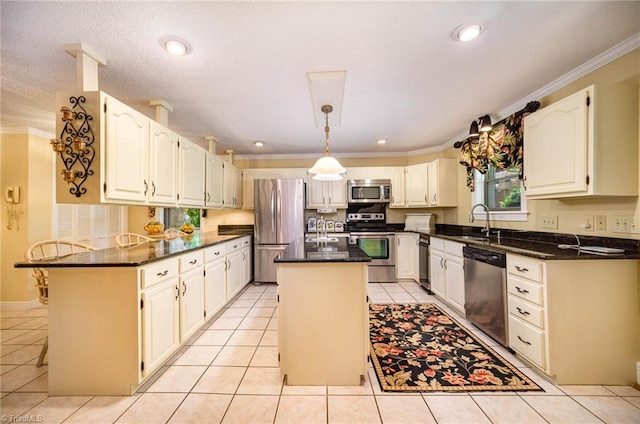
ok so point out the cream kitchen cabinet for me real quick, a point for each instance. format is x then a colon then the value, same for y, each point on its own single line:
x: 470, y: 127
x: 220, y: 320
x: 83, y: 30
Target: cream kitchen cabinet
x: 232, y: 190
x: 160, y: 313
x: 416, y: 185
x: 326, y: 194
x: 162, y: 183
x: 407, y: 260
x: 248, y: 177
x: 215, y: 279
x: 246, y: 274
x: 191, y: 293
x: 447, y: 272
x: 583, y: 145
x: 127, y: 153
x: 558, y: 308
x: 443, y: 183
x: 192, y: 162
x: 398, y: 187
x: 214, y: 181
x: 234, y: 268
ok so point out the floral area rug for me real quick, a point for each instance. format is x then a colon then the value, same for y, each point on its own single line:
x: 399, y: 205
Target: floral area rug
x: 420, y: 348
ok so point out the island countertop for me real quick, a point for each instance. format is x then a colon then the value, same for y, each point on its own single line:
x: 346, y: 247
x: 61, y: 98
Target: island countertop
x: 140, y: 254
x: 300, y: 250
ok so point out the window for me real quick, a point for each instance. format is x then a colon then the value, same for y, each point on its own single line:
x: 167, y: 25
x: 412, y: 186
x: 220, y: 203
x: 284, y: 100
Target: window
x: 501, y: 191
x: 174, y: 217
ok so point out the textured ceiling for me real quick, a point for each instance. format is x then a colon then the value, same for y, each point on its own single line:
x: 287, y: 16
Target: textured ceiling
x: 245, y: 80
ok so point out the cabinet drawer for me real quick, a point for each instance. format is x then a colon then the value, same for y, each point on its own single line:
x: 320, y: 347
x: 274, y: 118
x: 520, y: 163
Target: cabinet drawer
x: 526, y: 311
x: 436, y: 243
x: 234, y: 245
x: 527, y: 340
x: 525, y: 289
x: 191, y: 260
x: 453, y: 248
x: 214, y: 252
x: 524, y: 267
x: 157, y: 272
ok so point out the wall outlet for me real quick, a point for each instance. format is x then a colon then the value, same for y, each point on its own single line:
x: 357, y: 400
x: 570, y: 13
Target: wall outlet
x: 549, y: 221
x: 587, y: 223
x: 623, y: 224
x: 601, y: 222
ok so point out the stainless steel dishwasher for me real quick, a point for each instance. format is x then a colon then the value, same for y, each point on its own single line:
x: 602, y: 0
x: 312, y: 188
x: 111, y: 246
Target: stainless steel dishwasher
x: 485, y: 290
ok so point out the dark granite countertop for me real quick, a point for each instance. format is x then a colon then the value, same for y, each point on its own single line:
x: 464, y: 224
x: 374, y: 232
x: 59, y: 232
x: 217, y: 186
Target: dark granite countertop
x: 538, y: 245
x: 300, y: 250
x: 141, y: 254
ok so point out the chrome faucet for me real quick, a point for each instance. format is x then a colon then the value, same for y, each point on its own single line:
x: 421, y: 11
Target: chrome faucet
x: 321, y: 228
x: 486, y: 228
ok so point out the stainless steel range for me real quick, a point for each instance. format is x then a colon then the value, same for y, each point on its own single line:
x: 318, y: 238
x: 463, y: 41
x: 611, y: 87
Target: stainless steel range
x: 368, y: 229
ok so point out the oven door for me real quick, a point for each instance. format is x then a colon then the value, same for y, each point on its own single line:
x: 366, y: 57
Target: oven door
x: 379, y: 246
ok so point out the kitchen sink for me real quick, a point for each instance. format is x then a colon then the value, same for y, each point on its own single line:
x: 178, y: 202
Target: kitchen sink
x: 322, y: 239
x: 468, y: 237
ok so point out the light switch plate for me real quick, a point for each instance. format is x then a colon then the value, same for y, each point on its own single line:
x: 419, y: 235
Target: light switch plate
x: 549, y: 221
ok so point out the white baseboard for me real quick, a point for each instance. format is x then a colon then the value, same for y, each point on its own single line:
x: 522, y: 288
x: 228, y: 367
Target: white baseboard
x: 20, y: 306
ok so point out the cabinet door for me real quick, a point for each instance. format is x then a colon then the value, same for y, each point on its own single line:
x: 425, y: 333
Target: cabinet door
x: 237, y: 188
x: 228, y: 191
x: 397, y: 187
x: 315, y: 193
x: 215, y: 289
x: 127, y: 153
x: 215, y: 178
x: 336, y: 193
x: 191, y: 302
x: 192, y: 164
x: 246, y: 266
x: 160, y: 323
x: 454, y: 280
x: 416, y: 185
x: 248, y: 177
x: 436, y: 272
x: 163, y: 166
x: 556, y: 151
x: 234, y: 273
x: 407, y: 256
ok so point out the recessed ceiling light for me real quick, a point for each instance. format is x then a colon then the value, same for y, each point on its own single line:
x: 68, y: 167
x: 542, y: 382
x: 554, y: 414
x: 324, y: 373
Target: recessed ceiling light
x: 467, y: 32
x: 175, y: 45
x: 381, y: 141
x: 258, y: 143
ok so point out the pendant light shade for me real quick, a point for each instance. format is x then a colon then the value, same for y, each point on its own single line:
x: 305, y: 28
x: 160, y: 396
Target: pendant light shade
x: 327, y: 168
x: 485, y: 123
x: 473, y: 130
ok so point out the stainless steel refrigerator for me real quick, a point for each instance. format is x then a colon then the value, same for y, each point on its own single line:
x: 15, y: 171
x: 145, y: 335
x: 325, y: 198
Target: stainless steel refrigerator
x: 279, y: 219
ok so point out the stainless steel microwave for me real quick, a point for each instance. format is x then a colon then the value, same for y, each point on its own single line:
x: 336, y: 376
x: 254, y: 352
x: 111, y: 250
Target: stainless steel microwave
x: 369, y: 191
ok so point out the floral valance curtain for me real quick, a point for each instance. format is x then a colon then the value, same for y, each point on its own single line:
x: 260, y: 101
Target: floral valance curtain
x: 500, y: 147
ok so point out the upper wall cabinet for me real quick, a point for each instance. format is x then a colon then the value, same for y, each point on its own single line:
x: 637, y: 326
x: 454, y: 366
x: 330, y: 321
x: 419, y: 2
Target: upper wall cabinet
x: 326, y: 194
x: 214, y: 183
x: 584, y: 145
x: 398, y: 187
x: 443, y: 183
x: 232, y: 190
x: 128, y: 158
x: 416, y: 185
x: 163, y: 166
x: 192, y: 160
x: 127, y: 153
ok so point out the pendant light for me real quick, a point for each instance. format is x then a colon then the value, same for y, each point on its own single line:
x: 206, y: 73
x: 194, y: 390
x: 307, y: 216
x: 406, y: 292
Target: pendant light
x: 485, y: 123
x: 327, y: 168
x: 473, y: 130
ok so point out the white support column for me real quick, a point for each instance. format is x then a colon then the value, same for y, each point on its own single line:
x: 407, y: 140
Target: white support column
x: 212, y: 143
x: 162, y: 111
x: 87, y: 63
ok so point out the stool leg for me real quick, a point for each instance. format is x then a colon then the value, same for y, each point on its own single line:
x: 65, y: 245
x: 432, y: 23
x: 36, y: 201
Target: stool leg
x: 45, y: 347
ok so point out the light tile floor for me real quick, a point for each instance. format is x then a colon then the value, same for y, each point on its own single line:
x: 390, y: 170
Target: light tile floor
x: 228, y: 372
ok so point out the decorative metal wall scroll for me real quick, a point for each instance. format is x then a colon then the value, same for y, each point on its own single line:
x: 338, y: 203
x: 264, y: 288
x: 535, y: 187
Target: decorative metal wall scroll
x: 75, y: 145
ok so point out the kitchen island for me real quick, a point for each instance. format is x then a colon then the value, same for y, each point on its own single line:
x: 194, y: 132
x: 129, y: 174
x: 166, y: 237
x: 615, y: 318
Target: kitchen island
x: 116, y: 315
x: 323, y: 313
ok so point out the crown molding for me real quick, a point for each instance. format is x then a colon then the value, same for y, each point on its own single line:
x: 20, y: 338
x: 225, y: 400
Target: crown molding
x: 26, y: 130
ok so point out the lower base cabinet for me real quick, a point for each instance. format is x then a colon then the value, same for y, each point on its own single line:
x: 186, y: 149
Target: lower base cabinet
x: 234, y: 269
x: 407, y: 256
x: 160, y: 323
x: 191, y: 303
x: 447, y: 272
x: 577, y: 321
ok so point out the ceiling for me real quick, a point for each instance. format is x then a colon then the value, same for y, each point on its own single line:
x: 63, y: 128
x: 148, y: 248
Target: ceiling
x: 407, y: 80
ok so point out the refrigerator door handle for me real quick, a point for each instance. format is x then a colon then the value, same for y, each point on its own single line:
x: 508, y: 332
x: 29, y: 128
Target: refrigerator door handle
x: 275, y: 247
x: 273, y: 209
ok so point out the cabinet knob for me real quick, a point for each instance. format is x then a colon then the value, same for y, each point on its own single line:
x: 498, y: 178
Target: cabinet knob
x: 193, y: 262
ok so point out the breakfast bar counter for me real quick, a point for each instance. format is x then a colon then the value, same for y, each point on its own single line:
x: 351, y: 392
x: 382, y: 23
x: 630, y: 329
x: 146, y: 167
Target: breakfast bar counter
x: 323, y: 313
